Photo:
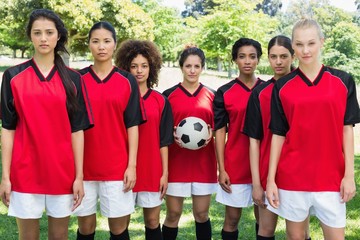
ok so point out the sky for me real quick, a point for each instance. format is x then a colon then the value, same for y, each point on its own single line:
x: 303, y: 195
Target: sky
x: 348, y: 5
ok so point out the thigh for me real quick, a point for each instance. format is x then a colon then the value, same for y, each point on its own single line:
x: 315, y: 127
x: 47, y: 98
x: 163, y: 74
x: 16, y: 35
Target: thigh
x: 331, y: 233
x: 59, y: 206
x: 328, y: 208
x: 29, y: 229
x: 152, y: 216
x: 26, y: 205
x: 179, y: 189
x: 240, y: 197
x: 89, y: 203
x: 148, y: 199
x: 201, y: 205
x: 295, y: 230
x: 58, y: 228
x: 267, y: 222
x: 114, y: 202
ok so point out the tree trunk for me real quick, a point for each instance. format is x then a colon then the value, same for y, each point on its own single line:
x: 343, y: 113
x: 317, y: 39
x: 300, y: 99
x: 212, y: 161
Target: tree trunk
x: 219, y: 64
x: 14, y: 53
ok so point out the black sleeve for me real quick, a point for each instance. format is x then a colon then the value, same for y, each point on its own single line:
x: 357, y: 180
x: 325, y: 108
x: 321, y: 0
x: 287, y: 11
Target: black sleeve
x: 253, y: 126
x: 352, y: 114
x: 166, y: 125
x: 278, y: 123
x: 134, y: 113
x: 82, y: 119
x: 221, y: 117
x: 8, y: 112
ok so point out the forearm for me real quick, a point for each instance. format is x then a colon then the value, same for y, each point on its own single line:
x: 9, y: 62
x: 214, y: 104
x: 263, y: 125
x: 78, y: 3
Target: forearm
x: 133, y: 142
x: 7, y: 143
x: 77, y: 139
x: 254, y: 160
x: 277, y: 142
x: 164, y: 160
x: 348, y: 149
x: 220, y: 136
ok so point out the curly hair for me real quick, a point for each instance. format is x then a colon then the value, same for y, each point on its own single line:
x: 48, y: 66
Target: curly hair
x: 130, y: 49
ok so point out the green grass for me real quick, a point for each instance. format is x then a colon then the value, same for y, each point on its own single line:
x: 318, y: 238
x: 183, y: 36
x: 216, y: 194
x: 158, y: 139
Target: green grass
x: 8, y: 228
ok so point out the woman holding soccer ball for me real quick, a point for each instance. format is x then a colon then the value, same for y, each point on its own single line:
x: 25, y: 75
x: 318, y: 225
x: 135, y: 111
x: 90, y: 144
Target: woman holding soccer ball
x: 313, y: 110
x: 143, y: 60
x: 233, y: 155
x: 192, y: 173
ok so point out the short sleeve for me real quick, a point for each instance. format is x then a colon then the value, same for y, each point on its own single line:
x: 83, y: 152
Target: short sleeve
x: 166, y: 125
x: 253, y: 126
x: 8, y: 112
x: 278, y: 123
x: 221, y: 117
x: 134, y: 113
x: 82, y: 119
x: 352, y: 114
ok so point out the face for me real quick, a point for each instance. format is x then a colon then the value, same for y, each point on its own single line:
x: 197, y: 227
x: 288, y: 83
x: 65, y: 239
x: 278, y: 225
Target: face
x: 140, y: 68
x: 44, y: 36
x: 102, y: 45
x: 280, y: 60
x: 247, y: 60
x: 192, y: 69
x: 307, y: 45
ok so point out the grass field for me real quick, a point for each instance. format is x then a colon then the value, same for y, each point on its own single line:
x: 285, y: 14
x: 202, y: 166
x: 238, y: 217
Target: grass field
x: 8, y: 228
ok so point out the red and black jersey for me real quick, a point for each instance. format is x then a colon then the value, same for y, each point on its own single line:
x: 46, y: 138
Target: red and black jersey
x: 35, y: 107
x: 192, y: 165
x: 156, y: 133
x: 257, y: 121
x: 116, y: 106
x: 229, y: 108
x: 311, y: 116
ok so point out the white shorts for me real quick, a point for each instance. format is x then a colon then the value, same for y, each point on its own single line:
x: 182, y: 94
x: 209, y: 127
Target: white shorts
x: 32, y: 206
x: 189, y: 189
x: 147, y: 199
x: 240, y: 197
x: 114, y: 202
x: 296, y: 206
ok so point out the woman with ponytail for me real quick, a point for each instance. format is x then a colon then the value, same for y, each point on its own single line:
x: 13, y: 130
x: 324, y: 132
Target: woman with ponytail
x: 44, y: 113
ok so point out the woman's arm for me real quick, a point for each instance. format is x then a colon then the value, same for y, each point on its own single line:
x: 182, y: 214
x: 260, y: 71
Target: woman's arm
x: 258, y: 191
x: 130, y: 173
x: 272, y: 193
x: 224, y: 179
x: 348, y: 188
x: 164, y: 178
x: 77, y: 139
x: 7, y: 143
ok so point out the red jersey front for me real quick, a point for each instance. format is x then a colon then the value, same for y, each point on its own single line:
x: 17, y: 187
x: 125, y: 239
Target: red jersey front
x: 311, y: 116
x: 192, y: 165
x: 229, y: 107
x: 257, y: 121
x: 116, y: 106
x: 156, y: 133
x: 35, y: 107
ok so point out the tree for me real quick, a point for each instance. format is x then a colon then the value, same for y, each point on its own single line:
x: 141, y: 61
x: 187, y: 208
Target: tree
x: 198, y: 8
x: 269, y: 7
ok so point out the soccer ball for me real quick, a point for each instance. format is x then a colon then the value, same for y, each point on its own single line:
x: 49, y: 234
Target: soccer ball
x: 192, y: 132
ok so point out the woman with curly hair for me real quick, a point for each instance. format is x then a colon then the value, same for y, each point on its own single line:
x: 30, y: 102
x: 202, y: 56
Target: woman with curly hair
x: 143, y: 60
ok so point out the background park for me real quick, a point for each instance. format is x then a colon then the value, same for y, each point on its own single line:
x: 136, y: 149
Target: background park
x: 213, y: 25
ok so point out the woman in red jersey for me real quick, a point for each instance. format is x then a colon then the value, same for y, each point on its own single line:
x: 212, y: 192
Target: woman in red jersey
x: 111, y: 146
x: 143, y: 60
x: 44, y: 114
x: 313, y: 110
x: 281, y: 56
x: 192, y: 173
x: 233, y: 155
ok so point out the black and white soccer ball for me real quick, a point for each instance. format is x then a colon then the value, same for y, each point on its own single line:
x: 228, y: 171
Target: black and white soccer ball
x: 192, y: 132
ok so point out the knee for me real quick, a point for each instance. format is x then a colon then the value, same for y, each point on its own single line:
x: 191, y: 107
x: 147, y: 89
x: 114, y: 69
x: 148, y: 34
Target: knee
x: 173, y: 216
x: 295, y: 235
x: 59, y: 235
x: 87, y: 227
x: 201, y: 216
x: 151, y: 223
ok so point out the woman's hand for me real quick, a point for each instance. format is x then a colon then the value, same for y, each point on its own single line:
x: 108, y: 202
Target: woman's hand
x: 163, y: 186
x: 258, y: 196
x: 78, y: 191
x: 224, y: 181
x: 347, y: 189
x: 129, y: 179
x: 5, y: 190
x: 176, y: 138
x: 272, y: 194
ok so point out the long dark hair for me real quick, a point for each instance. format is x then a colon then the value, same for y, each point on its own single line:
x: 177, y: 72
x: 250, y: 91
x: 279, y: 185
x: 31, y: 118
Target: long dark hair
x: 71, y: 102
x: 283, y: 41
